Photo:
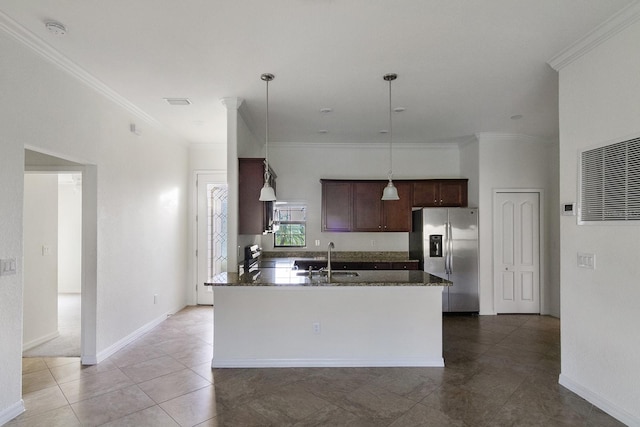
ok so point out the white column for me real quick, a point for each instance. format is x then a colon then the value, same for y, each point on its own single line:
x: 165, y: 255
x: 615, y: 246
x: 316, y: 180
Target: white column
x: 232, y: 104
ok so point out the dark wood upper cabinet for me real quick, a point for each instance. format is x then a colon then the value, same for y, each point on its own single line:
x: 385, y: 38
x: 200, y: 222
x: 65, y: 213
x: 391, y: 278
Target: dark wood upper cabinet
x: 396, y: 214
x: 453, y: 193
x: 336, y: 206
x: 441, y: 192
x: 254, y: 216
x: 367, y: 206
x: 356, y: 205
x: 370, y: 213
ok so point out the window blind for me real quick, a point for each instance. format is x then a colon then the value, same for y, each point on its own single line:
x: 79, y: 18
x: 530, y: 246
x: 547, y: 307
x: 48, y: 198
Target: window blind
x: 610, y: 182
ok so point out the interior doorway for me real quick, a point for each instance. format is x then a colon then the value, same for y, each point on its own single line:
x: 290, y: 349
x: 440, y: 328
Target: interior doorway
x: 211, y: 231
x: 516, y: 258
x: 37, y: 162
x: 52, y: 259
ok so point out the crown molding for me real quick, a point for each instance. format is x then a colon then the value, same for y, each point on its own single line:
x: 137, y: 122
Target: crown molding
x: 603, y: 32
x: 511, y: 138
x: 46, y: 51
x: 231, y: 102
x: 367, y: 145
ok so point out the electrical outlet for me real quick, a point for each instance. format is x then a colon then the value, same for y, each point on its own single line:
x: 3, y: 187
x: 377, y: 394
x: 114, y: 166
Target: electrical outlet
x: 373, y: 243
x: 317, y: 242
x: 45, y: 250
x: 316, y: 328
x: 155, y: 298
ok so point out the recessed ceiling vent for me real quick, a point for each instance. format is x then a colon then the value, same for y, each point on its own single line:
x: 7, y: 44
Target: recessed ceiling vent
x: 178, y: 101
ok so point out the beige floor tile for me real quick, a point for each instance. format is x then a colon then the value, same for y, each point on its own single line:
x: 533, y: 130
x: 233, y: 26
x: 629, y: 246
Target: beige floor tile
x: 59, y: 361
x: 193, y: 408
x: 501, y: 370
x: 153, y: 368
x: 37, y: 380
x: 61, y: 417
x: 95, y: 385
x: 33, y: 364
x: 173, y: 385
x: 43, y: 400
x: 153, y: 416
x: 111, y: 406
x: 135, y: 353
x: 74, y: 371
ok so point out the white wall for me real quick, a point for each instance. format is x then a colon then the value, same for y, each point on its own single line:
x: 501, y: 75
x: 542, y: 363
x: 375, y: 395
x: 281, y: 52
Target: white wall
x: 470, y: 168
x: 11, y: 289
x: 512, y: 162
x: 141, y: 201
x: 40, y: 319
x: 301, y: 166
x: 69, y: 234
x: 599, y: 95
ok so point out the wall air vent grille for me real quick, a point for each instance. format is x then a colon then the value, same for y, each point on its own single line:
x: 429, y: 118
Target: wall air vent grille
x: 610, y: 182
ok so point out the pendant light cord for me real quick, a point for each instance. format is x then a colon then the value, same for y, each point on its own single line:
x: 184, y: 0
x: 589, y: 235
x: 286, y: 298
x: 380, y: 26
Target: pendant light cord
x: 390, y: 136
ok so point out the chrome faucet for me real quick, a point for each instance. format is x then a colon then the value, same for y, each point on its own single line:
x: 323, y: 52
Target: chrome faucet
x: 331, y: 246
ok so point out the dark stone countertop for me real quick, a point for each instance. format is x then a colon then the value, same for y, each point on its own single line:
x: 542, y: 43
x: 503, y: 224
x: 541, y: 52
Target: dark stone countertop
x: 288, y: 277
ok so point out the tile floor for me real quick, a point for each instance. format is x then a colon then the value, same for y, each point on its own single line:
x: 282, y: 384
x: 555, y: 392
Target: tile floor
x: 501, y: 371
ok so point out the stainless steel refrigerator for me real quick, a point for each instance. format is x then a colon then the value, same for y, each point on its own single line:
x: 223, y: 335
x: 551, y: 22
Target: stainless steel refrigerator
x: 445, y: 241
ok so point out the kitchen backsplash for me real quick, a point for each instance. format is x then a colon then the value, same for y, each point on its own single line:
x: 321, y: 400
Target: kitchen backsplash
x: 341, y: 255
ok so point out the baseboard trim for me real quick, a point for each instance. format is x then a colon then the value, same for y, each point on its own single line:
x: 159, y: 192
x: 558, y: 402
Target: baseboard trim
x: 119, y: 345
x: 593, y: 398
x: 11, y: 412
x: 41, y: 340
x: 325, y: 363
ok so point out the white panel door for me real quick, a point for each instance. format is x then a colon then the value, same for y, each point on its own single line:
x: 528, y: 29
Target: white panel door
x: 211, y: 232
x: 517, y: 252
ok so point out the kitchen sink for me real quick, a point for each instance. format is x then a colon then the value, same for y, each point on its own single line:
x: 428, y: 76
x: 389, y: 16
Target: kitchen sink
x: 344, y: 273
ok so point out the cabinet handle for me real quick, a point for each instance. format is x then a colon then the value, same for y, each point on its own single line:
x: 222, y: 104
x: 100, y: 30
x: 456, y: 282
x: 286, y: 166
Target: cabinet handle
x: 404, y: 266
x: 440, y: 201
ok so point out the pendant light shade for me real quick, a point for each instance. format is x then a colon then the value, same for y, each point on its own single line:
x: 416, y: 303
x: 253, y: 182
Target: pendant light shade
x: 390, y: 192
x: 267, y: 194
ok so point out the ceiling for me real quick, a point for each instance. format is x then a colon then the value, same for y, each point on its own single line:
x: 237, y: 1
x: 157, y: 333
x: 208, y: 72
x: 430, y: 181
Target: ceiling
x: 463, y: 66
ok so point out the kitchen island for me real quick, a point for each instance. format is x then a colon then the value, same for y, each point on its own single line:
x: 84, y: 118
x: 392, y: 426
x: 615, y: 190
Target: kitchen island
x: 278, y: 317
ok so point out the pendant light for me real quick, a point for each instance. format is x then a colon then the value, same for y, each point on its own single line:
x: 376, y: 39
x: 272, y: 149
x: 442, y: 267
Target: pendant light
x: 267, y: 194
x: 390, y: 192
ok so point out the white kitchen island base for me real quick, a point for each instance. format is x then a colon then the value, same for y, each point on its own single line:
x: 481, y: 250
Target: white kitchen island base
x: 327, y: 326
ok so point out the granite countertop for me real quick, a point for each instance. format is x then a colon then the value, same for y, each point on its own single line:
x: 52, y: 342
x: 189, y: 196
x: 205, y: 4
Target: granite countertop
x: 289, y: 277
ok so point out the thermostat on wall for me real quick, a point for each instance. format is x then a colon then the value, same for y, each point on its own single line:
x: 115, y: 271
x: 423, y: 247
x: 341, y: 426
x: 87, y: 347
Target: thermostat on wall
x: 568, y: 209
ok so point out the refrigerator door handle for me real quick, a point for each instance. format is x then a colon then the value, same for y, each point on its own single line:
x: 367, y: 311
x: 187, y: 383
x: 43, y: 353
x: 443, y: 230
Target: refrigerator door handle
x: 450, y: 242
x: 446, y: 248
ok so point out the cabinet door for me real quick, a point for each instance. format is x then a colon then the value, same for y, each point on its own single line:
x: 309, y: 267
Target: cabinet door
x: 453, y: 193
x: 377, y: 266
x: 426, y: 193
x: 336, y: 206
x: 401, y: 265
x: 367, y: 206
x: 250, y: 208
x: 397, y: 213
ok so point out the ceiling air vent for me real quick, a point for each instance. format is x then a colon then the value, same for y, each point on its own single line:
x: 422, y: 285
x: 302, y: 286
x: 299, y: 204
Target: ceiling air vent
x: 178, y: 101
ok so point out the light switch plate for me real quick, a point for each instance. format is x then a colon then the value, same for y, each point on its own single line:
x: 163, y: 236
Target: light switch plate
x: 8, y: 267
x: 586, y: 260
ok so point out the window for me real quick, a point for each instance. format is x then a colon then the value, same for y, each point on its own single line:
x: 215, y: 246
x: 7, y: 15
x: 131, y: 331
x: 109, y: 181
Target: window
x: 290, y: 223
x: 610, y: 182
